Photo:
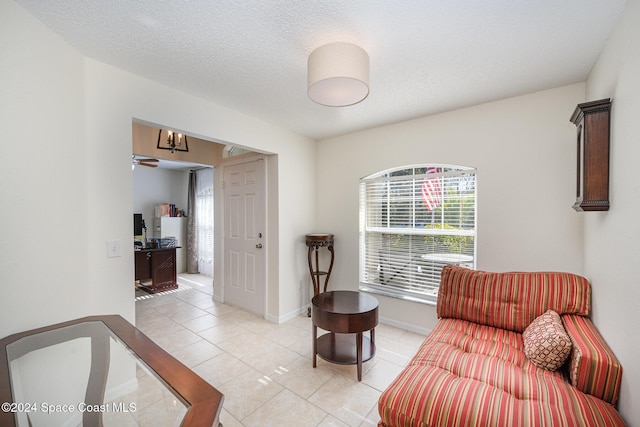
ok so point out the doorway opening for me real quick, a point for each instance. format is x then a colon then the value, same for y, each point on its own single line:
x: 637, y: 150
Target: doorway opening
x: 193, y: 185
x: 171, y: 220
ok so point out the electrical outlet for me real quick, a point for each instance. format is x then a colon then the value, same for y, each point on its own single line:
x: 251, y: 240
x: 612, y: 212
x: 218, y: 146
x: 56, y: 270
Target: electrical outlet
x: 113, y: 248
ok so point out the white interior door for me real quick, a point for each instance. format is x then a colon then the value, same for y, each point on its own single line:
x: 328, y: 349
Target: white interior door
x: 244, y: 240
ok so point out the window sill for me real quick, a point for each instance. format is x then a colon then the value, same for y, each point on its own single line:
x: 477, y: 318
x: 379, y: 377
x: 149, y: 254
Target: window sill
x: 370, y: 290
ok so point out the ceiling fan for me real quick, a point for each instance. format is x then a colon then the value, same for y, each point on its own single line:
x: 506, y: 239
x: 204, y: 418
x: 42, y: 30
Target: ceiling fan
x: 145, y: 162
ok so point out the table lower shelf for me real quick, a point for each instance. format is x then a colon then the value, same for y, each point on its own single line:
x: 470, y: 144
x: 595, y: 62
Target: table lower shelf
x: 154, y: 289
x: 341, y: 348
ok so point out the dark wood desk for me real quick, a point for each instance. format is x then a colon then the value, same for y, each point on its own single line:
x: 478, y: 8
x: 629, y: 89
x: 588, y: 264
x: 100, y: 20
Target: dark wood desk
x: 50, y: 349
x: 159, y: 265
x: 346, y: 315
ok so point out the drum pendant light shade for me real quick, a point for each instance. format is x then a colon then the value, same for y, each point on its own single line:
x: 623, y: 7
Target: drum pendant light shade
x: 338, y: 74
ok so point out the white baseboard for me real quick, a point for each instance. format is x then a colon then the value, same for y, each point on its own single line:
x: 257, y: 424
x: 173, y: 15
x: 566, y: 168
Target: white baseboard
x: 286, y: 317
x: 387, y: 321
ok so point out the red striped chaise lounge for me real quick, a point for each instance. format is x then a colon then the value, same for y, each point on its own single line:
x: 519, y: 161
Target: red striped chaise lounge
x: 474, y: 368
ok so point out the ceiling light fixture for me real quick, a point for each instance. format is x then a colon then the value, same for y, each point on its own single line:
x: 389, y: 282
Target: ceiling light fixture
x: 174, y: 141
x: 338, y: 74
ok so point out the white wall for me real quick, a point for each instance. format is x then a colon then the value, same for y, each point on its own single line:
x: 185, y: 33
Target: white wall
x: 153, y: 186
x: 113, y: 98
x: 43, y: 219
x: 523, y: 149
x: 70, y: 173
x: 611, y: 238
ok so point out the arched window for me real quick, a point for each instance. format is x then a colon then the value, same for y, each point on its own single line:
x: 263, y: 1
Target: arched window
x: 413, y: 221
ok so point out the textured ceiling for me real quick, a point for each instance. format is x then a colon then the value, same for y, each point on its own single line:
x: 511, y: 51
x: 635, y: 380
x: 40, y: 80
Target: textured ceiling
x: 426, y: 56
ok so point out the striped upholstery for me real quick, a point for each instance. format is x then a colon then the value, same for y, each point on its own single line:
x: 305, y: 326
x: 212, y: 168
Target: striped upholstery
x: 466, y: 374
x: 593, y: 368
x: 510, y: 300
x: 472, y: 370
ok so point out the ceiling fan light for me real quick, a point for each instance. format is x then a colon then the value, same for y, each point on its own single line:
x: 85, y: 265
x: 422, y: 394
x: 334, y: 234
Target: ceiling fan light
x: 338, y: 75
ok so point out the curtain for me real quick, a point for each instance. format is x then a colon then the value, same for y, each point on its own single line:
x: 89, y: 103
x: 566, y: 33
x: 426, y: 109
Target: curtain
x: 192, y: 237
x: 204, y: 220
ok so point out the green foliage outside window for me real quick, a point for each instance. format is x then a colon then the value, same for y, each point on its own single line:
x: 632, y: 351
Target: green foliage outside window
x: 448, y: 243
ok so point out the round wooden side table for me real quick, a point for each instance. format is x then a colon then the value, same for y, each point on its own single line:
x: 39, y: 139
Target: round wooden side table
x: 346, y: 315
x: 314, y: 242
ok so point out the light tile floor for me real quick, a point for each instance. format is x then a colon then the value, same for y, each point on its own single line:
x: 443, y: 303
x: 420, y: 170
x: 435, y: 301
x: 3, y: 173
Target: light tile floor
x: 264, y: 369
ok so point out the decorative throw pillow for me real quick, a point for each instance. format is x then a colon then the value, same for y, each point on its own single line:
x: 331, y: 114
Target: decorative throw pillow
x: 546, y: 343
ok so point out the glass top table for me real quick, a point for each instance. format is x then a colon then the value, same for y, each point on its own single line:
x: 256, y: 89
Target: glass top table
x: 99, y: 371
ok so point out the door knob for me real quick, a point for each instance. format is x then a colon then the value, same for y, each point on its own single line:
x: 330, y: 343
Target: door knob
x: 259, y: 246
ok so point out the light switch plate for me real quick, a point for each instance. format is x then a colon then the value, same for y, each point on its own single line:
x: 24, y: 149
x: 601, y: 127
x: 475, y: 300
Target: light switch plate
x: 113, y: 248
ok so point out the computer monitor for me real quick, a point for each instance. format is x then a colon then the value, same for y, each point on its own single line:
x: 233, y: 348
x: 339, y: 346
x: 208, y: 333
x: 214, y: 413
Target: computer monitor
x: 138, y: 224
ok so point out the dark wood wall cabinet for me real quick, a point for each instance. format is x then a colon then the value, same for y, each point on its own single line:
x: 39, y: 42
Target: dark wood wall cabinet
x: 592, y: 120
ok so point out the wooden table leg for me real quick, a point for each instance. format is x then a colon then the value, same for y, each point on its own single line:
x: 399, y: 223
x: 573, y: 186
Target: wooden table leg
x: 359, y: 354
x: 315, y: 344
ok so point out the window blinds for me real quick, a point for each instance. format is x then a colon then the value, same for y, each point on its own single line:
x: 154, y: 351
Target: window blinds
x: 413, y: 222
